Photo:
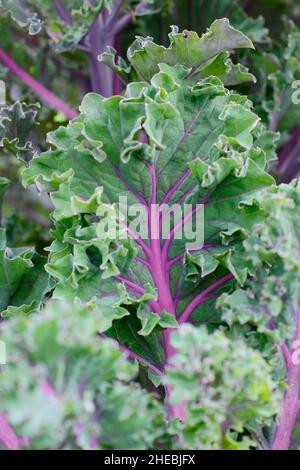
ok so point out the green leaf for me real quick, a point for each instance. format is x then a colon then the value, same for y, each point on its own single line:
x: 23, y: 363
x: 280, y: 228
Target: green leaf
x: 17, y: 121
x: 23, y: 14
x: 201, y: 56
x: 22, y: 277
x: 272, y: 256
x: 186, y: 48
x: 222, y: 385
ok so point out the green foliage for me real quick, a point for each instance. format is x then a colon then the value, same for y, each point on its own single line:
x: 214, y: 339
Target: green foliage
x: 266, y: 312
x: 36, y: 15
x: 277, y: 69
x: 266, y: 308
x: 223, y: 385
x: 64, y: 387
x: 197, y: 15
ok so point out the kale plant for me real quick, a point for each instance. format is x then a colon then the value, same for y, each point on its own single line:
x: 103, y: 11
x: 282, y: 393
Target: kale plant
x: 166, y: 313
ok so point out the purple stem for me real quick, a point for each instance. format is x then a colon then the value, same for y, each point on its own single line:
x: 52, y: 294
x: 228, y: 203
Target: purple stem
x: 287, y: 356
x: 63, y: 12
x: 121, y: 24
x: 157, y: 262
x: 202, y: 297
x: 55, y: 36
x: 174, y: 188
x: 101, y: 75
x: 137, y: 240
x: 161, y: 277
x: 175, y: 229
x: 159, y: 266
x: 139, y: 290
x: 117, y: 85
x: 289, y: 157
x: 49, y: 390
x: 94, y: 43
x: 164, y: 214
x: 291, y: 402
x: 275, y: 121
x: 286, y: 149
x: 179, y: 257
x: 45, y: 95
x: 126, y: 184
x: 7, y: 435
x: 135, y: 356
x: 114, y: 14
x: 143, y: 262
x: 102, y: 33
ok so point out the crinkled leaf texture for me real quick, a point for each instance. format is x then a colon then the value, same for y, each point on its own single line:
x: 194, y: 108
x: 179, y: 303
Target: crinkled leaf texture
x: 266, y: 312
x: 23, y: 14
x: 279, y: 72
x: 16, y: 124
x: 199, y: 14
x: 23, y: 279
x: 277, y: 97
x: 67, y: 23
x: 36, y: 14
x: 270, y: 299
x: 205, y: 56
x: 177, y: 136
x: 224, y: 385
x: 64, y: 387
